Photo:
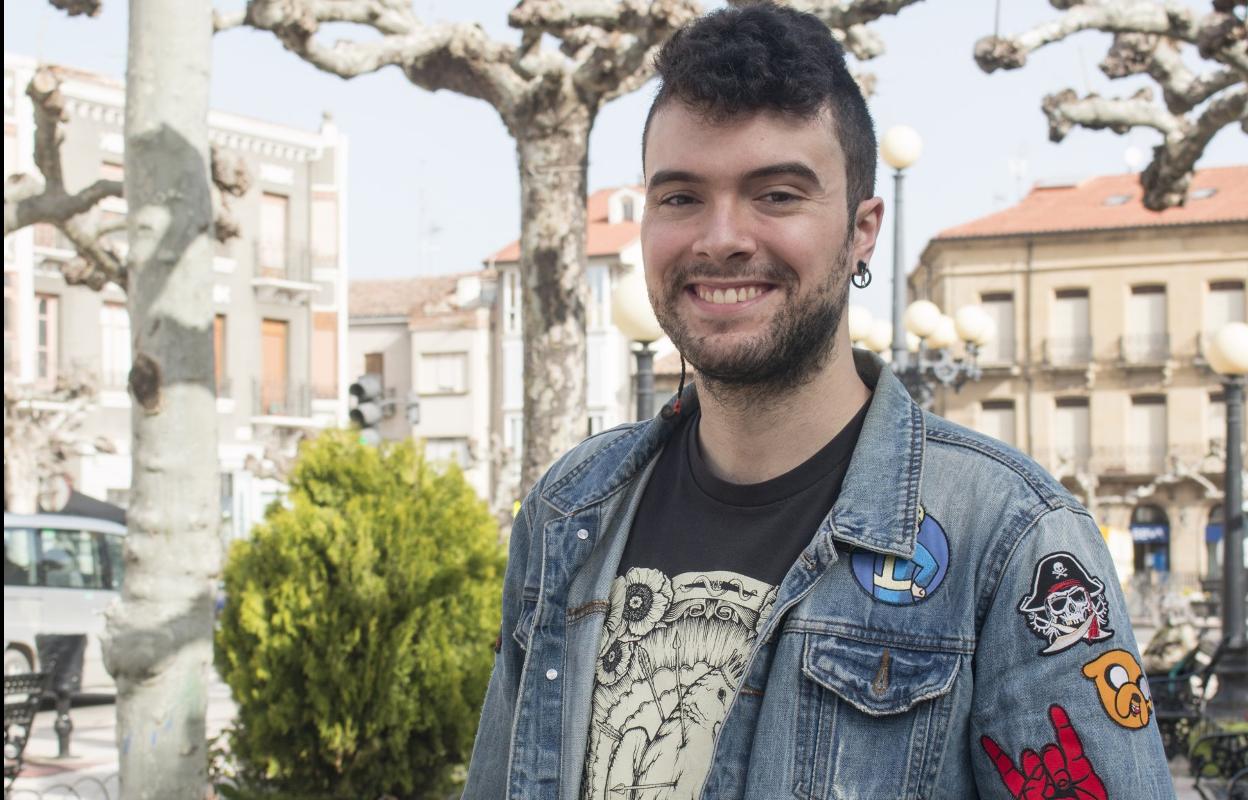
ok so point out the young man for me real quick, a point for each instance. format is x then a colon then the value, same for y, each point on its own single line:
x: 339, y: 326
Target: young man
x: 794, y: 582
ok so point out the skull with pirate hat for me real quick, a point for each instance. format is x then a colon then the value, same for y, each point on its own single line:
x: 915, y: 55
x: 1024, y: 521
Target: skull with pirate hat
x: 1066, y: 604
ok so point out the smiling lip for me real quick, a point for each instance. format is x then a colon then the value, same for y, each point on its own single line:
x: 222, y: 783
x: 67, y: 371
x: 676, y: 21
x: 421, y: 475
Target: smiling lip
x: 728, y: 297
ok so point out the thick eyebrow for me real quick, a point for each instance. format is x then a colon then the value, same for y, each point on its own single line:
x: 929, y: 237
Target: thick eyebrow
x: 795, y: 169
x: 673, y: 176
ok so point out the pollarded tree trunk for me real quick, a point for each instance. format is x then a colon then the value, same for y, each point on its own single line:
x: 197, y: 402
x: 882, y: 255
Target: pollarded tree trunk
x: 552, y: 247
x: 158, y: 643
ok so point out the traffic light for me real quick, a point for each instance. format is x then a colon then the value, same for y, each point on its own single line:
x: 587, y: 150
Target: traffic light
x: 369, y: 407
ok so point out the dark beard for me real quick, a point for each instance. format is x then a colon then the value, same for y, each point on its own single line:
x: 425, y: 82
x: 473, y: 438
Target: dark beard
x: 798, y: 344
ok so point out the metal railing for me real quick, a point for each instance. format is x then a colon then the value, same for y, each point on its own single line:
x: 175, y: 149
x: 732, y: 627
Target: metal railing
x: 998, y: 353
x: 1065, y: 460
x: 1068, y: 350
x: 1144, y: 348
x: 280, y: 399
x: 1139, y: 459
x: 290, y: 263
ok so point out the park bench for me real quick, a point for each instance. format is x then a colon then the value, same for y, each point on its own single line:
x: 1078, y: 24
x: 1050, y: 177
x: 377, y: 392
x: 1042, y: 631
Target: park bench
x: 1220, y: 763
x: 19, y: 716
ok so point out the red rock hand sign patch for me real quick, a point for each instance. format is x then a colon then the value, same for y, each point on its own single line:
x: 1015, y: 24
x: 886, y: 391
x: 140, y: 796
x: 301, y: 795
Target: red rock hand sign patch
x: 1059, y: 770
x: 1067, y: 604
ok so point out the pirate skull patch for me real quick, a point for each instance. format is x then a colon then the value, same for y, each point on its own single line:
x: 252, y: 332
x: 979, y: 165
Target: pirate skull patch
x: 1067, y: 604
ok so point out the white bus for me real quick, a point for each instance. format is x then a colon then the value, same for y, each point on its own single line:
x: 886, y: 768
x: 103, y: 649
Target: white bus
x: 61, y: 573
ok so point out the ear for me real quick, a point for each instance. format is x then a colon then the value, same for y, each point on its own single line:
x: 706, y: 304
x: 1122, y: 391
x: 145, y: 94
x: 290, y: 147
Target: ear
x: 867, y: 221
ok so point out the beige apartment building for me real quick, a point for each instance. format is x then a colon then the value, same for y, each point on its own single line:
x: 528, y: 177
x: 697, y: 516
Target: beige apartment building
x: 279, y: 292
x: 1103, y: 311
x: 431, y: 341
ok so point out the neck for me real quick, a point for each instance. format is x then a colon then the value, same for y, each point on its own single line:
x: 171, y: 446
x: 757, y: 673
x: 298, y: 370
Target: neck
x: 747, y: 437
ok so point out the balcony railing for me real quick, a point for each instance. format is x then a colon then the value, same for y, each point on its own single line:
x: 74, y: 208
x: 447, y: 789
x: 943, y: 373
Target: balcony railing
x: 1144, y: 348
x: 1139, y: 459
x: 998, y: 353
x: 1066, y: 459
x: 282, y: 263
x: 280, y: 399
x: 1068, y: 351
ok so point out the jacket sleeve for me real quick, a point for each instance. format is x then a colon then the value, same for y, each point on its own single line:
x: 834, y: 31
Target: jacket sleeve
x: 1060, y: 706
x: 487, y: 771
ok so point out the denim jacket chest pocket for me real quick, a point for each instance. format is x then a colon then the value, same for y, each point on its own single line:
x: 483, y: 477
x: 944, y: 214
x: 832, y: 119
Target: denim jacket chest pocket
x: 872, y: 718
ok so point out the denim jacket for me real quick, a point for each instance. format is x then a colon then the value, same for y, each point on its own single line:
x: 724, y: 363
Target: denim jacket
x: 955, y: 629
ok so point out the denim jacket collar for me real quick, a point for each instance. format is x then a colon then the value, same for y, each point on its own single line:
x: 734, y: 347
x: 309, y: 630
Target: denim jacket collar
x: 879, y: 501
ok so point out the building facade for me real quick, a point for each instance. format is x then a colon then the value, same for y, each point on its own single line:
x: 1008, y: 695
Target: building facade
x: 1104, y: 311
x: 279, y: 292
x: 431, y: 341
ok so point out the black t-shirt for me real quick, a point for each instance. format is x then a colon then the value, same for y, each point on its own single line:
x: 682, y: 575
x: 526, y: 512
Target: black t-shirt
x: 696, y: 581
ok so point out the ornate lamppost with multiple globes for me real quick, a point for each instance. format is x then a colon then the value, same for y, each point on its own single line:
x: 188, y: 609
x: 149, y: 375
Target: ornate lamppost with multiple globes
x: 900, y: 147
x: 930, y: 338
x: 920, y: 329
x: 1228, y: 355
x: 631, y: 312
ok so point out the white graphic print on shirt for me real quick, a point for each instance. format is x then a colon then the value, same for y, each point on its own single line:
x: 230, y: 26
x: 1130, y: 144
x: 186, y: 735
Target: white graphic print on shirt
x: 672, y: 655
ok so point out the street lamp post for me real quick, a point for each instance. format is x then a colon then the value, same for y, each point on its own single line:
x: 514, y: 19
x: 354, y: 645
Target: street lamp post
x: 930, y: 337
x: 1229, y: 358
x: 632, y: 314
x: 900, y: 147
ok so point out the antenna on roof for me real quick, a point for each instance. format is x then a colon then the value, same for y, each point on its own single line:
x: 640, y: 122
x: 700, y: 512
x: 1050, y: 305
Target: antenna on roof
x: 1018, y: 171
x: 1134, y: 158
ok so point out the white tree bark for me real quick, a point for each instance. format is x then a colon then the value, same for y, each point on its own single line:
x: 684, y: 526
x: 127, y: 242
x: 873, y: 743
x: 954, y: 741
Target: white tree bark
x: 158, y: 642
x: 1149, y: 38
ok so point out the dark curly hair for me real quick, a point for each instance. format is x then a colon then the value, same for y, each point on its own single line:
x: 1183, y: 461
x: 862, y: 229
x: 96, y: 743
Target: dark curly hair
x: 765, y: 57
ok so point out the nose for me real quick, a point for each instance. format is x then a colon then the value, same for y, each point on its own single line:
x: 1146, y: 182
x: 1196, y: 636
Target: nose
x: 725, y: 235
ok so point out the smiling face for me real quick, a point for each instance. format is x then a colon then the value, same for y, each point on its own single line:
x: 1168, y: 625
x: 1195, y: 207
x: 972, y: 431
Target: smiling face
x: 748, y: 243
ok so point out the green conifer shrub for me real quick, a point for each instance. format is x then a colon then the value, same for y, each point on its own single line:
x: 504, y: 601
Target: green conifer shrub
x: 358, y: 626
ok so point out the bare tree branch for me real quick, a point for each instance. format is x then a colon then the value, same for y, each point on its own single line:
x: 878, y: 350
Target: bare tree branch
x: 32, y: 200
x: 849, y: 20
x: 29, y: 200
x: 1149, y: 37
x: 42, y: 432
x: 75, y: 8
x: 842, y: 15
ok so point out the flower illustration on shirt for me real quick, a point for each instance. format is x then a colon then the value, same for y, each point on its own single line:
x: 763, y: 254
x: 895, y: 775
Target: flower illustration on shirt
x: 646, y: 595
x: 615, y: 657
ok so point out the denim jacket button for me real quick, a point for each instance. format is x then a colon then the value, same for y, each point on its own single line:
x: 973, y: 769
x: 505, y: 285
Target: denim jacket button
x: 551, y: 674
x: 582, y: 534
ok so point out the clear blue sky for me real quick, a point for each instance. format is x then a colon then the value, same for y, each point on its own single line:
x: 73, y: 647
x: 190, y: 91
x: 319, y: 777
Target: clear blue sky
x: 433, y: 185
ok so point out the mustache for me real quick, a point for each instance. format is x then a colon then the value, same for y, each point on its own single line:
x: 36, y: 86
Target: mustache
x: 703, y: 270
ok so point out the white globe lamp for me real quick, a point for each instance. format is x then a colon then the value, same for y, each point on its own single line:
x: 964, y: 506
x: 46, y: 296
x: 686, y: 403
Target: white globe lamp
x: 922, y: 317
x: 630, y: 307
x: 860, y: 320
x: 901, y: 146
x: 1228, y: 352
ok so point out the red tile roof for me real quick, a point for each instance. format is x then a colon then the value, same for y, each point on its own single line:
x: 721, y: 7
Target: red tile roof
x: 432, y: 295
x: 1110, y: 202
x: 605, y: 238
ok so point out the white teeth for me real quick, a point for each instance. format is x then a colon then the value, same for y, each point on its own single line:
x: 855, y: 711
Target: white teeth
x: 723, y: 297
